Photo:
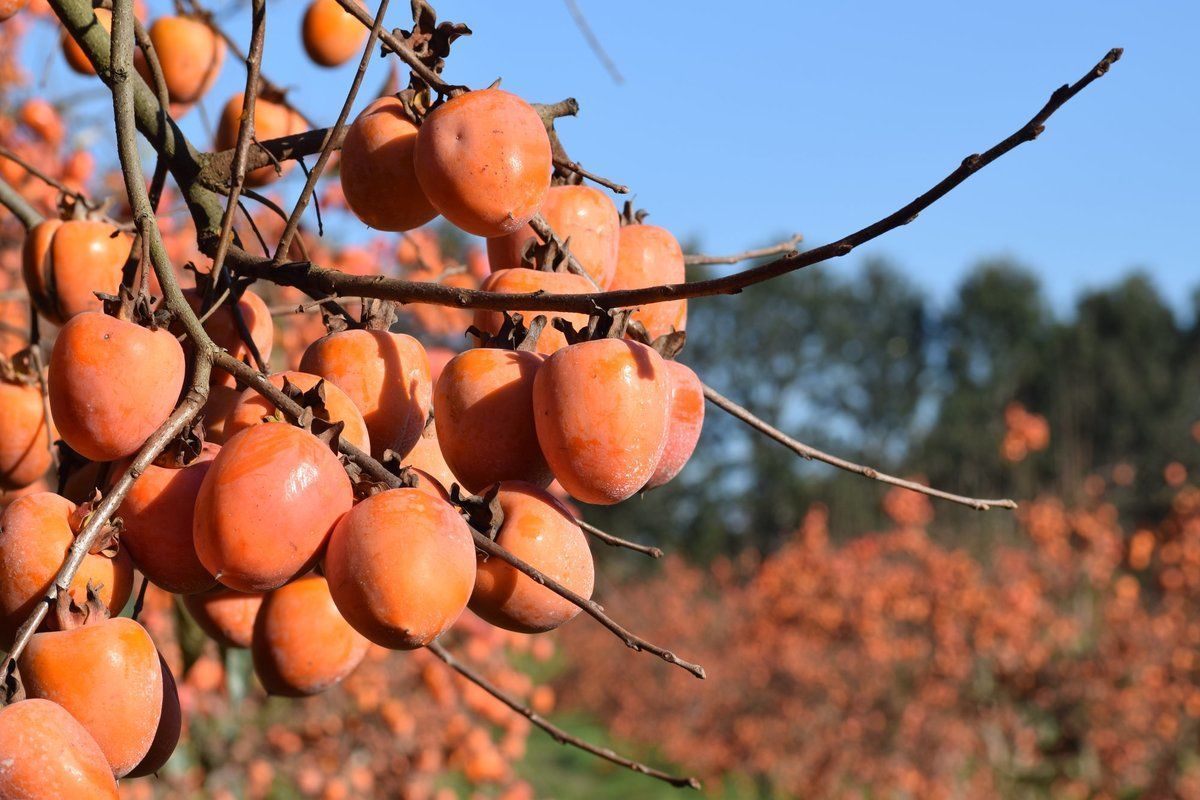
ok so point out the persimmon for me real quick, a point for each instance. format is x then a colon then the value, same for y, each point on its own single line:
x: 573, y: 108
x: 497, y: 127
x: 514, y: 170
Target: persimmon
x: 267, y: 505
x: 66, y: 262
x: 302, y: 645
x: 385, y: 374
x: 331, y: 35
x: 222, y: 328
x: 76, y: 58
x: 225, y: 615
x: 271, y: 121
x: 157, y: 524
x: 43, y: 119
x: 483, y: 411
x: 687, y: 419
x: 439, y: 357
x: 540, y: 531
x: 525, y: 281
x: 46, y: 754
x: 401, y: 566
x: 377, y: 169
x: 252, y: 408
x: 24, y: 444
x: 426, y: 456
x: 221, y: 400
x: 602, y: 410
x: 112, y: 383
x: 190, y: 54
x: 170, y: 727
x: 483, y: 159
x: 650, y: 256
x: 36, y: 531
x: 117, y: 698
x: 584, y: 215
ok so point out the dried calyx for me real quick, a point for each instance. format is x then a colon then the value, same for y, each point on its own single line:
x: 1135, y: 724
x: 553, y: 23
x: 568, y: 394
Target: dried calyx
x: 315, y: 416
x: 184, y: 448
x: 107, y: 543
x: 21, y: 368
x: 604, y: 324
x: 514, y: 334
x: 430, y: 42
x: 377, y: 315
x: 136, y: 307
x: 632, y: 216
x: 669, y: 345
x: 482, y: 512
x: 547, y: 256
x: 70, y: 615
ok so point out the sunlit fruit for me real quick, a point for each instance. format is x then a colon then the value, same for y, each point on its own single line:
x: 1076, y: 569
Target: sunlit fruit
x: 24, y: 440
x: 190, y: 54
x: 252, y: 408
x: 527, y: 281
x: 687, y: 419
x: 331, y: 35
x: 45, y: 753
x: 377, y: 169
x: 650, y: 256
x: 66, y: 262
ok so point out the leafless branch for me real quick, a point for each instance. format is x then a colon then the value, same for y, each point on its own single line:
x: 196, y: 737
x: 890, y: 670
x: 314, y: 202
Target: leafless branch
x: 787, y: 246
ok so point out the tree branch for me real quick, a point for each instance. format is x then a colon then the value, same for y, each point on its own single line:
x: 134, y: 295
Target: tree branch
x: 787, y: 246
x: 614, y: 541
x: 11, y: 199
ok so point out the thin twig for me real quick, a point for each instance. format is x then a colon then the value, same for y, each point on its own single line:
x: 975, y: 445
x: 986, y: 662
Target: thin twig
x: 556, y: 733
x: 786, y: 246
x: 615, y: 541
x: 572, y: 166
x: 394, y: 45
x: 804, y: 451
x: 593, y: 41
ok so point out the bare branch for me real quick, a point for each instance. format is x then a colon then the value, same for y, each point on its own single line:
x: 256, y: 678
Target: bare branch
x: 11, y: 199
x: 614, y: 541
x: 787, y: 246
x: 593, y: 41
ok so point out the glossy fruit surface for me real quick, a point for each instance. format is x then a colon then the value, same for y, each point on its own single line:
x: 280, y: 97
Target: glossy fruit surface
x: 302, y: 645
x: 650, y: 256
x: 378, y: 176
x: 24, y: 443
x: 112, y: 384
x: 385, y: 374
x: 602, y: 410
x: 331, y: 35
x: 687, y: 420
x: 267, y: 505
x: 483, y: 410
x: 45, y: 754
x: 66, y: 263
x: 401, y: 566
x: 483, y: 159
x: 540, y: 531
x: 252, y: 408
x: 117, y: 698
x: 526, y: 281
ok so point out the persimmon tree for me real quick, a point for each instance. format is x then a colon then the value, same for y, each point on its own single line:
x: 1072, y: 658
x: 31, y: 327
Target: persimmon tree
x: 350, y: 502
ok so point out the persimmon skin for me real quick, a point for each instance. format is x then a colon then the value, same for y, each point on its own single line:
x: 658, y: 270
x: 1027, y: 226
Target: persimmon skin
x: 222, y: 328
x: 271, y: 121
x: 191, y: 55
x: 687, y: 420
x: 302, y: 645
x: 540, y: 531
x: 225, y: 615
x: 252, y: 407
x: 426, y: 456
x: 76, y: 58
x: 378, y: 176
x: 602, y: 410
x: 524, y: 281
x: 483, y: 411
x: 24, y: 444
x: 66, y: 263
x: 581, y: 213
x: 46, y: 753
x: 331, y: 35
x: 170, y: 727
x: 648, y: 255
x: 401, y: 567
x: 385, y: 374
x: 117, y: 698
x: 35, y: 535
x: 157, y: 525
x: 112, y: 384
x: 267, y: 505
x: 483, y: 159
x: 9, y: 8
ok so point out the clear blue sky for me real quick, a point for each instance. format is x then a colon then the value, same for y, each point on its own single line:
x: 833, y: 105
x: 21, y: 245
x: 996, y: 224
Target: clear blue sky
x: 821, y: 117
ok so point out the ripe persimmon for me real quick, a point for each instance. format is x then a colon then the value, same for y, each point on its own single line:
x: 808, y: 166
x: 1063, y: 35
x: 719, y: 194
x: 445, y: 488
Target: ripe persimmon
x: 271, y: 121
x: 117, y: 698
x: 427, y: 457
x: 650, y: 256
x: 602, y: 410
x: 190, y: 54
x: 157, y: 525
x: 582, y: 214
x: 112, y: 383
x: 302, y: 645
x: 46, y: 753
x: 225, y: 615
x: 267, y: 505
x: 43, y: 119
x: 540, y: 531
x: 252, y: 408
x: 24, y: 444
x: 36, y: 531
x: 170, y: 726
x: 385, y: 374
x: 687, y: 419
x: 483, y: 411
x: 378, y: 176
x: 66, y: 262
x: 525, y: 281
x: 76, y: 58
x: 401, y: 566
x: 483, y: 159
x: 331, y: 34
x: 222, y: 328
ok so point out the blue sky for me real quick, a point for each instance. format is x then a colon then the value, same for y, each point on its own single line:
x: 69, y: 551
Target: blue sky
x: 735, y: 127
